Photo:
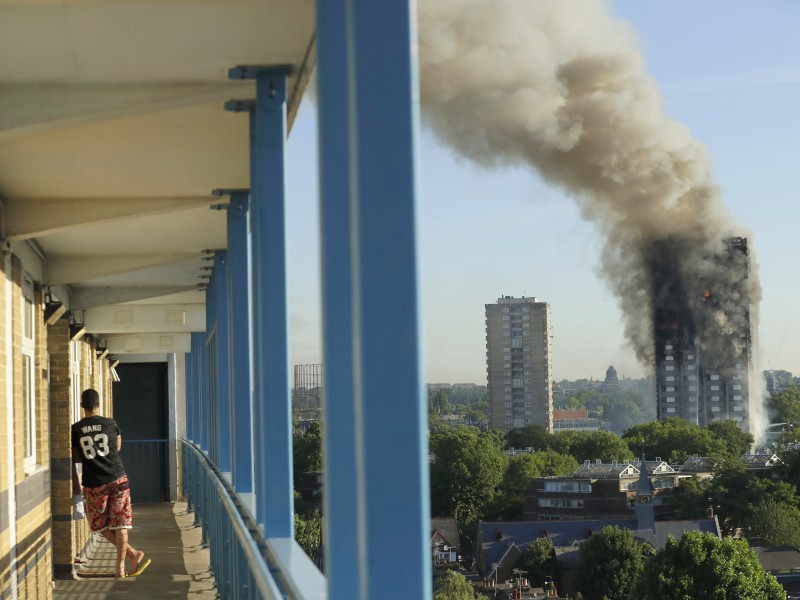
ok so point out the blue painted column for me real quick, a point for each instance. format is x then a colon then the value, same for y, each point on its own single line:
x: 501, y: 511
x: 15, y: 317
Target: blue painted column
x: 209, y: 374
x: 272, y: 397
x: 376, y: 76
x: 239, y: 342
x: 222, y: 391
x: 340, y: 501
x: 191, y: 398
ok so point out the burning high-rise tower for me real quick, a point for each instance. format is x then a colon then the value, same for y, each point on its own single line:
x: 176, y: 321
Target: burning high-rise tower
x: 701, y: 318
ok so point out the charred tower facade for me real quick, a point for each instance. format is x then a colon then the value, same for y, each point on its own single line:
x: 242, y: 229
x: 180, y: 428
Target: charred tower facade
x: 702, y: 330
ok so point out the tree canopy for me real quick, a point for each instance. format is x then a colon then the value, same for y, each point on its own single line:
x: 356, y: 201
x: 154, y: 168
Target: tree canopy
x: 736, y: 440
x: 454, y: 587
x: 777, y: 523
x: 611, y: 561
x: 539, y: 561
x: 703, y: 566
x: 307, y: 451
x: 674, y: 440
x: 785, y: 406
x: 466, y: 472
x: 521, y: 469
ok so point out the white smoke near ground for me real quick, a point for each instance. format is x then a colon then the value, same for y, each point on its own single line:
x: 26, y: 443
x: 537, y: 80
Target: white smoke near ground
x: 560, y: 86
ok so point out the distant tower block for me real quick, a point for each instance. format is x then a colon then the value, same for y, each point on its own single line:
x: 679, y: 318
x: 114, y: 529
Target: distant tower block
x: 702, y: 331
x: 307, y: 391
x: 518, y: 363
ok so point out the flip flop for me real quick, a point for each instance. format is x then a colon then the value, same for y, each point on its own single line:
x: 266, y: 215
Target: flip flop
x: 140, y: 569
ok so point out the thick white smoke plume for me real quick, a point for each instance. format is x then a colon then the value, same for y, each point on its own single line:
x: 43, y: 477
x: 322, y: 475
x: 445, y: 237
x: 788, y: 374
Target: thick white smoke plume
x: 561, y: 86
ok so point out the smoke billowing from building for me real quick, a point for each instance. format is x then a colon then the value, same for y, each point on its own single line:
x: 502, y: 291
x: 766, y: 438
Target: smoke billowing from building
x: 560, y: 86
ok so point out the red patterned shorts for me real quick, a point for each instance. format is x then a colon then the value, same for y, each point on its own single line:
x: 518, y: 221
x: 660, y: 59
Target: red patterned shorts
x: 109, y: 506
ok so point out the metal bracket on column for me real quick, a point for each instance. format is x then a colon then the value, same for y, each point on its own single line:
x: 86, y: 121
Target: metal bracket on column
x: 240, y: 105
x: 239, y: 199
x: 272, y: 77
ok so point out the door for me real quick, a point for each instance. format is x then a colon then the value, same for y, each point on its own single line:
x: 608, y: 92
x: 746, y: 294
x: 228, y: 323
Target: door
x: 141, y: 411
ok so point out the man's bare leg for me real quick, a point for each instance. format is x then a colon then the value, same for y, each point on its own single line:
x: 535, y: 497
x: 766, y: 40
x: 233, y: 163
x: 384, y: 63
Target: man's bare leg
x: 121, y: 543
x: 134, y: 555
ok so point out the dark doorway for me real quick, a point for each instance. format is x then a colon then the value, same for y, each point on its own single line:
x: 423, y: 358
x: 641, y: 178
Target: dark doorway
x: 141, y: 411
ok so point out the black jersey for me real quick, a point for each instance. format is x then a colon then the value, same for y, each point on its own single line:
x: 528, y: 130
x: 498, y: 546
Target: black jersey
x: 94, y: 441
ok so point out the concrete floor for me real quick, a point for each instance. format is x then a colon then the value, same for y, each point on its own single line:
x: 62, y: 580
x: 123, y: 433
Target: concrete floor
x: 179, y: 568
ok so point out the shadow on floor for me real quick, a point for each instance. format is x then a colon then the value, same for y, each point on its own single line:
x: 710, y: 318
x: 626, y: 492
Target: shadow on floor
x: 179, y: 568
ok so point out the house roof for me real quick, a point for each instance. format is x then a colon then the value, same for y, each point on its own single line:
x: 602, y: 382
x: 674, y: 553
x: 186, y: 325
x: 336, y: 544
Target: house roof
x: 600, y: 470
x: 447, y: 529
x: 497, y: 537
x: 654, y: 467
x: 760, y: 461
x: 783, y: 558
x: 698, y: 464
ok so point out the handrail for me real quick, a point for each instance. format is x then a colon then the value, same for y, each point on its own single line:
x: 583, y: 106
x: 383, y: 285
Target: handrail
x: 277, y: 568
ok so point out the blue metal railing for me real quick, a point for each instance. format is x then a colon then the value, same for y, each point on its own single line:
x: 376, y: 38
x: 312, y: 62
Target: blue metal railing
x: 244, y: 563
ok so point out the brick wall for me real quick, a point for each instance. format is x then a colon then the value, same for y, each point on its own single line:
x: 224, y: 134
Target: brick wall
x: 25, y: 535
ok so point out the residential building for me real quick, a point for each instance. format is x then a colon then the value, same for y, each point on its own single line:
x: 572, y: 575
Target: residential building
x: 519, y: 364
x: 601, y: 490
x: 577, y: 420
x: 701, y: 331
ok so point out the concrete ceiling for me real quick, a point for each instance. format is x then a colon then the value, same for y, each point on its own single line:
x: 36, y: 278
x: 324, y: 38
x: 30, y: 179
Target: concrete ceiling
x: 113, y: 135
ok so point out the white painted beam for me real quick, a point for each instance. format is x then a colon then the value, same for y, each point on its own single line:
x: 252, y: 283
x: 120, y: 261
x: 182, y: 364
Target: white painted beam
x: 92, y: 297
x: 29, y: 107
x: 76, y: 268
x: 148, y: 343
x: 36, y: 217
x: 145, y: 318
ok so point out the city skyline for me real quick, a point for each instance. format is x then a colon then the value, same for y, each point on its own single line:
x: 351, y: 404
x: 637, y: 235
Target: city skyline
x: 730, y: 86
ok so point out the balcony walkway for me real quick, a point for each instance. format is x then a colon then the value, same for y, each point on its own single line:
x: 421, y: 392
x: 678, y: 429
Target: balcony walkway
x: 180, y: 567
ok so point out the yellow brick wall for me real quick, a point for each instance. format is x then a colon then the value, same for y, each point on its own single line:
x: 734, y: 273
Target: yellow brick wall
x: 5, y: 546
x: 32, y: 550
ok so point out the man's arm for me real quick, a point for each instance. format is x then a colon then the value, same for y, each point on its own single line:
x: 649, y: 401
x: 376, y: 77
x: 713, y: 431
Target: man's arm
x: 76, y: 480
x: 119, y: 442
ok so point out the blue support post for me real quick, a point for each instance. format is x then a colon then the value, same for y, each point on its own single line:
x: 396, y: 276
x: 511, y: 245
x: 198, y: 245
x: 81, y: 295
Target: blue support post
x: 191, y: 398
x: 340, y: 499
x: 272, y: 401
x: 392, y: 485
x: 210, y: 372
x: 225, y: 434
x: 238, y: 288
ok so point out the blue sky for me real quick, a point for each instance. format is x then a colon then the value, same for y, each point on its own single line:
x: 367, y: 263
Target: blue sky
x: 730, y: 71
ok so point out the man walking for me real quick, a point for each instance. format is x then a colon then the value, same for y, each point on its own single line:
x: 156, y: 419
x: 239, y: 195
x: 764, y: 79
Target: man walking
x: 96, y: 441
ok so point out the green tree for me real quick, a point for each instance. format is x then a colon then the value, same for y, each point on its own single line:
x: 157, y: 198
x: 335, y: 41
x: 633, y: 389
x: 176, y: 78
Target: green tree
x: 533, y: 436
x: 611, y: 561
x: 777, y: 523
x: 539, y: 561
x: 521, y: 469
x: 736, y: 441
x: 454, y: 587
x: 785, y: 406
x: 439, y: 404
x: 700, y: 565
x: 691, y: 499
x: 592, y: 445
x: 307, y: 451
x: 674, y: 440
x: 466, y: 472
x: 737, y: 492
x: 308, y: 532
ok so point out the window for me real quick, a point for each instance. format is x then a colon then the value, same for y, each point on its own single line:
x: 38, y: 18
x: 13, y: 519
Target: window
x: 568, y: 486
x: 28, y: 389
x: 714, y: 388
x: 737, y: 387
x: 508, y: 404
x: 714, y: 378
x: 507, y: 365
x: 526, y: 324
x: 671, y: 409
x: 737, y: 397
x: 525, y: 317
x: 715, y: 409
x: 668, y: 347
x: 690, y: 357
x: 525, y: 309
x: 671, y: 388
x: 691, y: 378
x: 670, y: 368
x: 505, y: 309
x: 506, y: 317
x: 670, y: 378
x: 670, y: 398
x: 506, y: 325
x: 560, y: 503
